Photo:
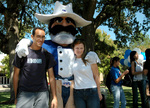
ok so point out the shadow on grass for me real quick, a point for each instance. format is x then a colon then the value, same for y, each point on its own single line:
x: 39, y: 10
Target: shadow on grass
x: 4, y: 100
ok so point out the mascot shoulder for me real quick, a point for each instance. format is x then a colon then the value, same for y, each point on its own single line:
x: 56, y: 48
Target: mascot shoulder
x: 92, y: 57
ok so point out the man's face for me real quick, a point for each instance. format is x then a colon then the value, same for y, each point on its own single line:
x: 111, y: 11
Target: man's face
x: 62, y: 30
x: 38, y: 38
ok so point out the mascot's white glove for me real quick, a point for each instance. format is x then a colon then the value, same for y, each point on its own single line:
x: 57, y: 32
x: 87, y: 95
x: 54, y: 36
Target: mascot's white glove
x: 22, y: 47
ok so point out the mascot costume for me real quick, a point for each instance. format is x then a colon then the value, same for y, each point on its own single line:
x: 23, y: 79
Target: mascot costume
x: 62, y: 28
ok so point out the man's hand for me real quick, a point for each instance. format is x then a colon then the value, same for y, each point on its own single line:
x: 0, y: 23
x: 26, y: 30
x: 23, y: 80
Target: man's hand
x: 54, y: 103
x: 22, y: 48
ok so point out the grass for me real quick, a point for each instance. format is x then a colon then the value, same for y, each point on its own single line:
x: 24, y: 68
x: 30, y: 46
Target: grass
x: 128, y: 95
x: 4, y: 96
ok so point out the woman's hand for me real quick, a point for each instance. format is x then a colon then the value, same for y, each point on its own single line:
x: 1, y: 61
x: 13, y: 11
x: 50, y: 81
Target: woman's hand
x: 100, y: 96
x: 125, y: 72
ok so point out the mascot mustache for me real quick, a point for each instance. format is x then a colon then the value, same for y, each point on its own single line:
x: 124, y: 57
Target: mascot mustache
x: 59, y: 28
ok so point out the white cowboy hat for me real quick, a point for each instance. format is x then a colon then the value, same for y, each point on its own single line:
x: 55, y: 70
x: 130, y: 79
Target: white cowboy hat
x: 63, y: 11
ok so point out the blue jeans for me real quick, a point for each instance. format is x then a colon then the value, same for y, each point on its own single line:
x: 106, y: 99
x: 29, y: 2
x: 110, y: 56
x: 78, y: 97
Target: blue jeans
x: 86, y: 98
x: 118, y: 95
x: 33, y: 100
x: 142, y: 88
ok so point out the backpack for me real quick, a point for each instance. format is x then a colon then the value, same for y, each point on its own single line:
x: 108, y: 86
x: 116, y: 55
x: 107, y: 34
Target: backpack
x: 128, y: 79
x: 108, y: 81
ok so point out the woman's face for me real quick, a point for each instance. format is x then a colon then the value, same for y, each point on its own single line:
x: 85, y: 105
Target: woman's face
x: 117, y: 63
x: 78, y: 50
x: 136, y: 56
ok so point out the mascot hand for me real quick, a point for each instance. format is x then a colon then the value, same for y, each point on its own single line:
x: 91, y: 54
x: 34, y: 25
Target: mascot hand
x: 22, y: 48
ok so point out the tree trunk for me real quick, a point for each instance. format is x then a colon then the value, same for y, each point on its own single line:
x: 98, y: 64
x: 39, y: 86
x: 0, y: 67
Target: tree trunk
x: 13, y: 40
x: 11, y: 24
x: 89, y: 36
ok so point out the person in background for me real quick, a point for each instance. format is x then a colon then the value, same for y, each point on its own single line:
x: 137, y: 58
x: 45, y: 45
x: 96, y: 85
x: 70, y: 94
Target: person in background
x: 116, y: 83
x: 146, y: 72
x: 30, y: 75
x: 138, y: 80
x: 147, y: 96
x: 86, y: 77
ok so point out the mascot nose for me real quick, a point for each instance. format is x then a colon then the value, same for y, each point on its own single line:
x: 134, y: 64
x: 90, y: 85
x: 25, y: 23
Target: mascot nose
x: 64, y: 23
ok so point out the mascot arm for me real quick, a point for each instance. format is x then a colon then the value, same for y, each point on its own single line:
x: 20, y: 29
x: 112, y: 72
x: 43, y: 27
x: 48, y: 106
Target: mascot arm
x: 22, y: 47
x: 92, y: 58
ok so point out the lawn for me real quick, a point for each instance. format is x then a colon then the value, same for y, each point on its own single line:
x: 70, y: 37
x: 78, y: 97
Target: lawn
x: 4, y: 96
x: 128, y: 95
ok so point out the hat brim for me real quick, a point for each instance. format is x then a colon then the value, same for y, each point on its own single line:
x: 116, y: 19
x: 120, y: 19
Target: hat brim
x: 80, y: 22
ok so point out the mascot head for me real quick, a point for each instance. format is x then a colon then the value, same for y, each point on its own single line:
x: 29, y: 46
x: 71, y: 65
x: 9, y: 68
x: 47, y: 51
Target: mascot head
x: 62, y: 23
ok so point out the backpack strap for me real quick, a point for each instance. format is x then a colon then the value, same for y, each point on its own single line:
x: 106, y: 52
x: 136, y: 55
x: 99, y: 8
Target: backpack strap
x: 46, y: 57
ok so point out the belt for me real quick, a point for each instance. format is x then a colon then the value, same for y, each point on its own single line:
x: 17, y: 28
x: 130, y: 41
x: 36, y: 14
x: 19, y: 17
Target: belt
x: 66, y: 81
x: 58, y: 77
x: 88, y: 89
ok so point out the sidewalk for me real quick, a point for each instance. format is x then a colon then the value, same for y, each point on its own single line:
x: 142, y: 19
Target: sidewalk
x: 4, y: 88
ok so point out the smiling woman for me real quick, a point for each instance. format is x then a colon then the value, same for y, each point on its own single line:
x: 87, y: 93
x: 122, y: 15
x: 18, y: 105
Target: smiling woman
x: 86, y: 77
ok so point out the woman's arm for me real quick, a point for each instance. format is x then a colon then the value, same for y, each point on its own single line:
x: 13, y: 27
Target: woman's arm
x: 120, y: 77
x: 96, y: 78
x: 133, y: 69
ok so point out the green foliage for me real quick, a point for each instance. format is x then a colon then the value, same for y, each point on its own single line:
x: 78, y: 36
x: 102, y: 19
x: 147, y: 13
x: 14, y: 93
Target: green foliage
x: 24, y: 11
x: 106, y: 49
x: 6, y: 68
x: 142, y: 44
x: 120, y: 16
x: 4, y: 100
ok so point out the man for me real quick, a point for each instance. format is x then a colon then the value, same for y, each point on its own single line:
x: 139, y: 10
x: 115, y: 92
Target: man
x: 62, y: 28
x: 30, y: 75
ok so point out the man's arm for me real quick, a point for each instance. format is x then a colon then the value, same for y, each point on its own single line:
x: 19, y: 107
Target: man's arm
x: 15, y: 81
x: 52, y: 87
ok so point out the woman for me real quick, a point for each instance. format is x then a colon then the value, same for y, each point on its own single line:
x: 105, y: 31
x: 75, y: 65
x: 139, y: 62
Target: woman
x: 146, y: 72
x: 138, y: 80
x: 86, y: 77
x: 116, y: 83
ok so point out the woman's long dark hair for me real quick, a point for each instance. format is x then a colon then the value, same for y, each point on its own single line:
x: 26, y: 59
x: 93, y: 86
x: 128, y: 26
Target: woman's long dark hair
x: 113, y: 60
x: 81, y: 41
x: 147, y: 54
x: 132, y: 54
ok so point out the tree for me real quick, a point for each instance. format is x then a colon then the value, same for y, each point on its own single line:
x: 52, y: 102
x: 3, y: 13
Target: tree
x: 5, y: 70
x: 118, y: 15
x: 142, y: 44
x: 17, y: 17
x: 106, y: 49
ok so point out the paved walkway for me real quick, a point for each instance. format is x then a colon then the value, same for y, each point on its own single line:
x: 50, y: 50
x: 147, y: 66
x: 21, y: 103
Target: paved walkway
x: 4, y: 88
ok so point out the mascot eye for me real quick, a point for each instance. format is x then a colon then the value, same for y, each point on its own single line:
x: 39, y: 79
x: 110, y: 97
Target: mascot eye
x: 69, y: 20
x: 59, y: 20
